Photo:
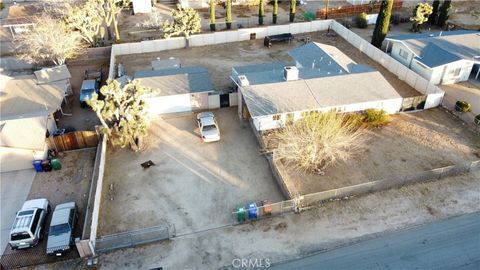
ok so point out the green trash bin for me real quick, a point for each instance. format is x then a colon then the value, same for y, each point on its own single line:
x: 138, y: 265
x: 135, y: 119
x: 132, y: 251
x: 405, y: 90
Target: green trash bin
x: 56, y: 165
x: 241, y: 214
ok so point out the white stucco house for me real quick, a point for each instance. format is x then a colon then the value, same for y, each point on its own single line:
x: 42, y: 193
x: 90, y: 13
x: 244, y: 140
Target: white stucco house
x: 440, y: 57
x: 26, y: 116
x: 178, y: 89
x: 320, y: 78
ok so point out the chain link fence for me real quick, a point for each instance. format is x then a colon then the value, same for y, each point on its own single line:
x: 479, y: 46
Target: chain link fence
x: 254, y: 212
x: 26, y: 258
x: 134, y: 238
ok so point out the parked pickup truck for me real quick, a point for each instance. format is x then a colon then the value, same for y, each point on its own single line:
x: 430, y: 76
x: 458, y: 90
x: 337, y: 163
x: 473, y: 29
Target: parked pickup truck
x: 27, y: 229
x: 60, y: 236
x: 91, y: 84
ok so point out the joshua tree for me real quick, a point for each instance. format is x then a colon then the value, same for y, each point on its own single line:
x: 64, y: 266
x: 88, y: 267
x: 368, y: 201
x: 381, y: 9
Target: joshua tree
x: 420, y: 15
x: 212, y: 15
x: 186, y: 21
x: 444, y: 9
x: 229, y: 14
x: 293, y: 9
x: 123, y: 112
x: 86, y: 19
x: 275, y: 11
x: 383, y: 21
x: 50, y: 40
x: 432, y: 19
x: 109, y: 10
x: 261, y: 11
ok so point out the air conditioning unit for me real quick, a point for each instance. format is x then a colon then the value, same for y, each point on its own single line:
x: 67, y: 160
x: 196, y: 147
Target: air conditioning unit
x: 243, y: 81
x: 290, y: 73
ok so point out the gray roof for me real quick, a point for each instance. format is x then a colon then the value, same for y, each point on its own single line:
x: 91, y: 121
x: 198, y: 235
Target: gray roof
x: 22, y: 97
x: 313, y: 60
x: 317, y: 93
x: 440, y: 48
x: 176, y: 81
x: 166, y: 63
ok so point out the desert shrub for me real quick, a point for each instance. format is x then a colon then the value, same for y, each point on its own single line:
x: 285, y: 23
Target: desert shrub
x: 358, y: 119
x: 462, y: 106
x: 318, y: 140
x: 362, y: 21
x: 477, y: 120
x: 2, y: 5
x: 376, y: 118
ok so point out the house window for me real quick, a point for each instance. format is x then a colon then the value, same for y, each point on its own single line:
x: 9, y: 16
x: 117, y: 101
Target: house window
x: 276, y: 117
x: 455, y: 72
x: 403, y: 54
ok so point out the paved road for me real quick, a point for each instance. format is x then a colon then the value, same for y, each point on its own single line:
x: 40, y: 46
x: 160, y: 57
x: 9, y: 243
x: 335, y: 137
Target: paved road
x: 449, y: 244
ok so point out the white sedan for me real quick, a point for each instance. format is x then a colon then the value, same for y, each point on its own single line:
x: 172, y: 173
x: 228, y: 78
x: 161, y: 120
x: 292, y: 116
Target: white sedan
x: 208, y: 127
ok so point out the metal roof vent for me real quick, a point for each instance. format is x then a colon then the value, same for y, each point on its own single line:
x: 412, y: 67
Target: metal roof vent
x: 290, y: 73
x: 243, y: 81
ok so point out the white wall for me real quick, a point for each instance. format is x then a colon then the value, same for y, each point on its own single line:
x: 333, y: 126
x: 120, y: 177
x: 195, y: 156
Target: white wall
x: 13, y: 159
x: 169, y: 104
x: 395, y: 53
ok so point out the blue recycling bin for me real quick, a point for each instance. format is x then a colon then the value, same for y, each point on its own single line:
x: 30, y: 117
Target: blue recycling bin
x: 252, y: 210
x: 37, y: 164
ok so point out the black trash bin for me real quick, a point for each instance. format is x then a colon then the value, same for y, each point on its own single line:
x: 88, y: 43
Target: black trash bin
x: 46, y: 165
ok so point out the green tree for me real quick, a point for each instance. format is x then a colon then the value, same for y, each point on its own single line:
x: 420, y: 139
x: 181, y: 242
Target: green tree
x: 432, y: 19
x: 186, y: 21
x: 261, y: 11
x: 293, y: 9
x: 420, y: 15
x: 50, y: 40
x: 86, y: 19
x: 123, y: 112
x: 229, y: 14
x: 212, y: 14
x: 382, y: 23
x: 275, y: 12
x: 443, y: 16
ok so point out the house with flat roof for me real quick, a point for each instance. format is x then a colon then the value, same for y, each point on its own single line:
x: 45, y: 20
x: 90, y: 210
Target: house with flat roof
x: 440, y: 57
x: 26, y: 116
x: 322, y: 78
x: 179, y: 89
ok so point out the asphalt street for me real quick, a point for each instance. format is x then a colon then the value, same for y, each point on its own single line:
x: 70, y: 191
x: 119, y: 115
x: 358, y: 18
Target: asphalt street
x: 447, y: 244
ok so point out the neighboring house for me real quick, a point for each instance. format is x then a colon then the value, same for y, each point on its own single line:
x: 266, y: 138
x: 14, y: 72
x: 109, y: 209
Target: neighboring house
x: 177, y: 89
x: 26, y: 116
x: 322, y: 79
x: 440, y: 57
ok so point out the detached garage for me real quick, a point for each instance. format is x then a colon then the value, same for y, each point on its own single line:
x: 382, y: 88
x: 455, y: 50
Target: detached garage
x: 178, y: 89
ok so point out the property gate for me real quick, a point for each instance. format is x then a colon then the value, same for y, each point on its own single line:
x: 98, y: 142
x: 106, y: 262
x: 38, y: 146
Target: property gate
x: 134, y: 238
x: 413, y: 103
x: 73, y: 140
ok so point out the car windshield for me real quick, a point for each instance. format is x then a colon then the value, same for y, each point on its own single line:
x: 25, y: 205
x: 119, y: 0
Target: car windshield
x: 59, y: 229
x: 209, y: 127
x: 20, y: 236
x: 87, y: 91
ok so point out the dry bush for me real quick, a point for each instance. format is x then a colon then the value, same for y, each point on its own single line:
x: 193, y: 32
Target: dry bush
x: 319, y: 140
x: 376, y: 118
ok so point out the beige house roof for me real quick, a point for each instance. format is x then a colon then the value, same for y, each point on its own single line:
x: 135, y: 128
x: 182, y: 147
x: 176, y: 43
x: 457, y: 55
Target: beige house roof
x: 55, y: 74
x: 22, y: 97
x: 28, y: 133
x: 317, y: 93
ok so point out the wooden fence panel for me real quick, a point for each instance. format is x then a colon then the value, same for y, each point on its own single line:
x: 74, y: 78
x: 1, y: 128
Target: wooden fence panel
x: 73, y: 140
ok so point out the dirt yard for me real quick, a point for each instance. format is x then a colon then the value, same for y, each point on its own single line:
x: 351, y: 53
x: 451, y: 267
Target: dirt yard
x: 222, y: 57
x: 193, y: 185
x: 410, y: 143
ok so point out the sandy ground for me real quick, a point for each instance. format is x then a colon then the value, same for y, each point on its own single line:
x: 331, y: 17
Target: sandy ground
x: 71, y: 183
x: 292, y: 236
x: 411, y: 143
x: 467, y: 91
x: 222, y: 57
x: 194, y: 185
